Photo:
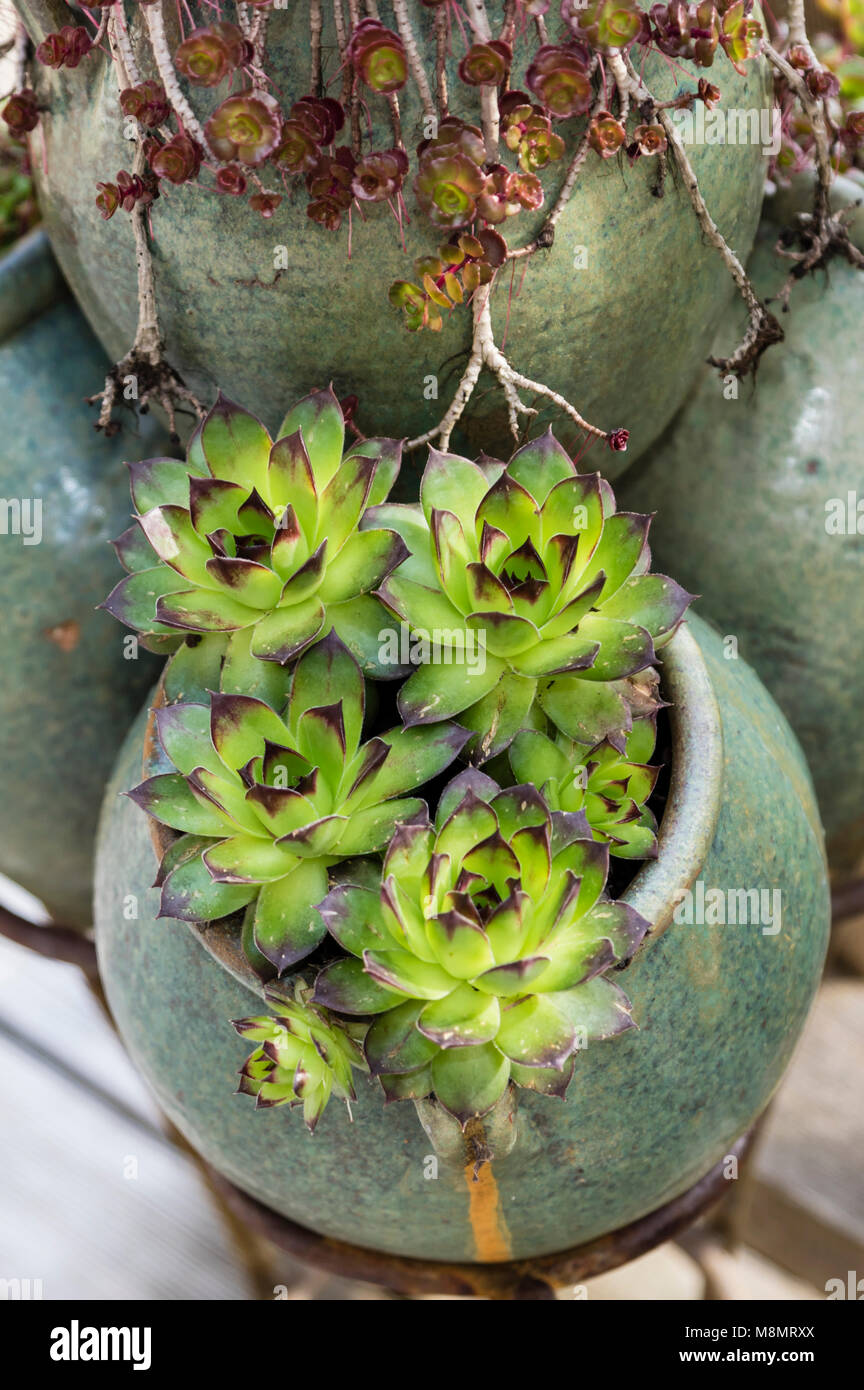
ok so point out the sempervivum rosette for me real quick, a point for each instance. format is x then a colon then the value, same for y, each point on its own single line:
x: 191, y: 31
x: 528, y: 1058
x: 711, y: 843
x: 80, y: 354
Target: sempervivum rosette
x: 611, y: 787
x: 482, y: 953
x: 527, y: 585
x: 266, y: 801
x: 261, y: 537
x: 303, y: 1056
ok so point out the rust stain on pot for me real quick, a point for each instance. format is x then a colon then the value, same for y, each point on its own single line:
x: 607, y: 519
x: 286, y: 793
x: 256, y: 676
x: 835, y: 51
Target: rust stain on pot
x: 491, y: 1238
x: 64, y: 635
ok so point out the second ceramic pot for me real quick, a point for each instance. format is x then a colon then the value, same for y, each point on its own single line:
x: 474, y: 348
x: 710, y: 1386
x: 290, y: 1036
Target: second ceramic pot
x: 760, y: 510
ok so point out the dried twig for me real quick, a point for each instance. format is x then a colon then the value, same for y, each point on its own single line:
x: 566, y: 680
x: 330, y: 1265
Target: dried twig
x: 144, y: 363
x: 415, y: 62
x: 489, y: 114
x: 155, y: 22
x: 763, y: 328
x: 486, y: 353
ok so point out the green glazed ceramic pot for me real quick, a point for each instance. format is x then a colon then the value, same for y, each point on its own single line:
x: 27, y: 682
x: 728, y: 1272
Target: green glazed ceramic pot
x: 718, y: 1007
x: 622, y: 337
x: 67, y: 693
x: 757, y: 511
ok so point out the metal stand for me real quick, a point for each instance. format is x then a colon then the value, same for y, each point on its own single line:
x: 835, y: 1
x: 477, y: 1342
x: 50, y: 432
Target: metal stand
x: 536, y: 1278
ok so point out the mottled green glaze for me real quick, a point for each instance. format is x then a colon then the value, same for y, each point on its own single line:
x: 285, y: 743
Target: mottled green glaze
x: 741, y: 487
x: 719, y: 1010
x: 621, y: 338
x: 67, y: 695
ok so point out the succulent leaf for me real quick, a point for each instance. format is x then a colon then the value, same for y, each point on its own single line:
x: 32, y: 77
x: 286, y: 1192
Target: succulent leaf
x: 485, y: 933
x: 304, y: 1054
x: 267, y: 535
x: 529, y: 570
x: 277, y: 798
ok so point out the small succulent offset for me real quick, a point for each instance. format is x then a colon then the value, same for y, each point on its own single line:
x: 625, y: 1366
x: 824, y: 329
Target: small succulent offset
x: 609, y: 786
x: 260, y: 537
x: 482, y: 954
x: 266, y: 801
x: 534, y: 590
x: 303, y: 1055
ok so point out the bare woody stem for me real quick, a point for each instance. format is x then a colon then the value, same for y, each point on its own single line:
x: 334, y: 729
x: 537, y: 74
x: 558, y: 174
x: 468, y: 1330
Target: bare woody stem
x: 145, y: 360
x: 490, y: 116
x: 486, y: 353
x: 316, y: 27
x: 441, y: 36
x: 155, y: 22
x: 763, y: 327
x: 121, y: 45
x: 391, y: 97
x: 815, y: 110
x: 415, y: 62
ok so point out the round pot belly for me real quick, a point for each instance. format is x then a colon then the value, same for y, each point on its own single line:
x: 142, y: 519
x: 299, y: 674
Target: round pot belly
x: 719, y: 1008
x: 67, y: 692
x: 753, y: 512
x: 270, y: 310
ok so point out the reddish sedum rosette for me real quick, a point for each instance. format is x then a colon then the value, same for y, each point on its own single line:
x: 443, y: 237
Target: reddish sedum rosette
x: 298, y: 151
x: 321, y: 116
x: 107, y: 199
x: 486, y: 64
x: 178, y: 160
x: 329, y: 185
x: 231, y: 179
x: 147, y: 103
x: 265, y: 203
x: 527, y: 131
x: 447, y: 190
x: 558, y: 77
x: 21, y: 113
x: 605, y: 23
x: 648, y: 140
x: 379, y: 175
x: 64, y: 49
x: 204, y: 58
x: 378, y: 55
x: 606, y: 134
x: 246, y: 127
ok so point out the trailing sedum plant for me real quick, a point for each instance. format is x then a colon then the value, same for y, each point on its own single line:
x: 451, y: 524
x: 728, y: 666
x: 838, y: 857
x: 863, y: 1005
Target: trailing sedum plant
x: 252, y: 536
x: 266, y: 801
x: 482, y: 953
x: 454, y: 942
x: 534, y: 591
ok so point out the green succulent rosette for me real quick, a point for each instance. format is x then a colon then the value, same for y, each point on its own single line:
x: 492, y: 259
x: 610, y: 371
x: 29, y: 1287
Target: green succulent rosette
x: 303, y: 1055
x: 254, y: 536
x: 267, y: 799
x: 482, y: 952
x: 610, y: 785
x: 527, y: 586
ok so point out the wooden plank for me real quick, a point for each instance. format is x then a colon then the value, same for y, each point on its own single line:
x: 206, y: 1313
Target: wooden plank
x: 804, y: 1205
